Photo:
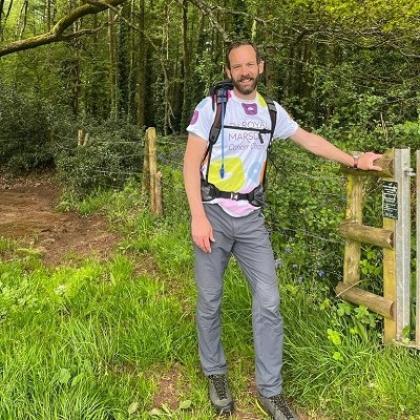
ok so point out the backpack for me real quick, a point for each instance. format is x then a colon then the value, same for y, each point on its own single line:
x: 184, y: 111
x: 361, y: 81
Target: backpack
x: 220, y: 96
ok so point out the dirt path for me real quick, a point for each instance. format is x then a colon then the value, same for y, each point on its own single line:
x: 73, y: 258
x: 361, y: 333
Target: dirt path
x: 27, y: 214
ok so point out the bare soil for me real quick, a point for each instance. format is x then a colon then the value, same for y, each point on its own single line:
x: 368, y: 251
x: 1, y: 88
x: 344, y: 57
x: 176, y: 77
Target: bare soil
x: 28, y: 214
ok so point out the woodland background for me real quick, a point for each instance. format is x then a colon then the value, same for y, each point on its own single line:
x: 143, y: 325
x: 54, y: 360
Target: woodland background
x: 347, y: 65
x: 114, y: 337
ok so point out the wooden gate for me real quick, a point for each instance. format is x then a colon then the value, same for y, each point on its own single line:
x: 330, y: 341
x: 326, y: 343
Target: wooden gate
x: 395, y: 239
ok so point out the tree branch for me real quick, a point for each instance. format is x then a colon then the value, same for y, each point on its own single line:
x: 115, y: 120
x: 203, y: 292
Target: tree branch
x: 207, y: 10
x: 57, y: 32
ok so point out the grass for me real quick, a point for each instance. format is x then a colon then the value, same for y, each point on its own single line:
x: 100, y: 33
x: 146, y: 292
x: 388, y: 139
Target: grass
x: 93, y: 341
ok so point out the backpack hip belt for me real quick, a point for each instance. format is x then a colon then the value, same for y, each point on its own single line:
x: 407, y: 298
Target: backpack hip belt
x: 255, y: 197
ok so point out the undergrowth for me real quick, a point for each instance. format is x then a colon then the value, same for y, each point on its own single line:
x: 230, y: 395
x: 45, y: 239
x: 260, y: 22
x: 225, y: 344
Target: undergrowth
x: 94, y: 340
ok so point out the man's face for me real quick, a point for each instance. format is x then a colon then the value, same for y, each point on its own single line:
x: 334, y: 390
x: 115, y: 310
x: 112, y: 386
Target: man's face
x: 244, y: 69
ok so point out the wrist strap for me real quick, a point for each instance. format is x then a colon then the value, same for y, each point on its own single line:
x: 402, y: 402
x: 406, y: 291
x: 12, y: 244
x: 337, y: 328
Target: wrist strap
x: 356, y: 161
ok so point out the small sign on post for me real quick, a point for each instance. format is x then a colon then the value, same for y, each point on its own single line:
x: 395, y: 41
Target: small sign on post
x: 390, y: 200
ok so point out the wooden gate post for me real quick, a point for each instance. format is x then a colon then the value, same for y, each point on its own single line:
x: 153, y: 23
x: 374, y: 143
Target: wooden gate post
x: 150, y: 169
x: 354, y: 215
x: 146, y: 170
x: 151, y: 132
x: 389, y: 263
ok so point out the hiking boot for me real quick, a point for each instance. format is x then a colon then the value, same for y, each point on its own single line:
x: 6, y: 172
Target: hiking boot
x: 220, y: 395
x: 277, y: 407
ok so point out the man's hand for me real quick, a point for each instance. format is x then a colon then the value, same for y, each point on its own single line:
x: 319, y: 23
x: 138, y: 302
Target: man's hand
x: 367, y: 162
x: 202, y: 233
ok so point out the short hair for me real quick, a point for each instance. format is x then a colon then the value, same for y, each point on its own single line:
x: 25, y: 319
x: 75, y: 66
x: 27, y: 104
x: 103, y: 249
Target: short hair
x: 237, y: 44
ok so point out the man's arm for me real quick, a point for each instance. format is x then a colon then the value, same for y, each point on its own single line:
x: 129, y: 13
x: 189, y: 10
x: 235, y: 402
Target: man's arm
x: 321, y: 147
x: 201, y: 230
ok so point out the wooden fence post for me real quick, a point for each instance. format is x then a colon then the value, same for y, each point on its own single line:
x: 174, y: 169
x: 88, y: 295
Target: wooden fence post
x: 158, y: 194
x: 389, y: 276
x: 151, y: 172
x: 146, y: 171
x: 82, y: 137
x: 355, y: 193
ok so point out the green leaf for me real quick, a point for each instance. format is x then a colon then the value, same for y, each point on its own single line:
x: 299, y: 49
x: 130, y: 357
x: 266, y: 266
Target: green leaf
x: 326, y: 304
x: 334, y: 337
x: 64, y: 376
x: 185, y: 405
x: 166, y: 409
x: 77, y: 379
x: 157, y: 412
x: 133, y: 407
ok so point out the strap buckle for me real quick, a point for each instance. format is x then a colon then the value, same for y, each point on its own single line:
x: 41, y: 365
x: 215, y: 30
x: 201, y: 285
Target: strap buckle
x: 234, y: 196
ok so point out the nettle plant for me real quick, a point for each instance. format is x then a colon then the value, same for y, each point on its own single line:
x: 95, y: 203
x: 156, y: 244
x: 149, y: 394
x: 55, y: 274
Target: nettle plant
x: 349, y: 324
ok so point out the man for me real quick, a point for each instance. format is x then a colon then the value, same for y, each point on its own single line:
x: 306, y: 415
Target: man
x: 226, y: 224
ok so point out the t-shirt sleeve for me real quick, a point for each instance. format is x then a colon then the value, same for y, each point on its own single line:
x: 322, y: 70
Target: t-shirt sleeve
x: 202, y: 119
x: 285, y: 125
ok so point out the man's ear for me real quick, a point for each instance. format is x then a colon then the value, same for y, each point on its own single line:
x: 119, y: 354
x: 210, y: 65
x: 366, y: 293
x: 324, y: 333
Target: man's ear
x: 228, y: 74
x: 261, y: 67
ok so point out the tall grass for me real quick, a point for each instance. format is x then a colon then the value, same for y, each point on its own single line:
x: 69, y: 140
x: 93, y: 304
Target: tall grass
x: 93, y: 341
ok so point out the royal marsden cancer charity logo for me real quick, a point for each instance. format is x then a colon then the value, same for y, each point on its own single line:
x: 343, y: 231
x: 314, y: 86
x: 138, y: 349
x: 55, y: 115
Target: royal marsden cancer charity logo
x: 242, y: 139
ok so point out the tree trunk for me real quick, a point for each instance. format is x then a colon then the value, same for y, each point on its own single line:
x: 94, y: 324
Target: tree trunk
x: 21, y: 25
x: 47, y: 15
x: 112, y: 66
x: 141, y: 72
x: 166, y: 98
x: 123, y: 61
x: 186, y: 97
x: 1, y: 19
x: 131, y: 106
x: 76, y: 83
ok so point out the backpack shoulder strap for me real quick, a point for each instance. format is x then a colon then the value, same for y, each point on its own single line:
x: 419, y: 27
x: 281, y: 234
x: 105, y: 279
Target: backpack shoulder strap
x: 273, y: 116
x: 272, y: 110
x: 220, y: 95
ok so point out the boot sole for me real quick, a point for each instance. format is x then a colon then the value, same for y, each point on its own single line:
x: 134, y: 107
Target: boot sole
x: 265, y: 411
x: 224, y: 411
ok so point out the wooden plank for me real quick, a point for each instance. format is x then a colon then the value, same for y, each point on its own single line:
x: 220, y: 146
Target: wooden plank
x: 386, y: 163
x: 367, y: 234
x: 355, y: 192
x: 390, y: 287
x: 375, y: 303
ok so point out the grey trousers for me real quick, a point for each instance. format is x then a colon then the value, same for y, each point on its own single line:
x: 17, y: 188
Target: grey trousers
x: 248, y: 240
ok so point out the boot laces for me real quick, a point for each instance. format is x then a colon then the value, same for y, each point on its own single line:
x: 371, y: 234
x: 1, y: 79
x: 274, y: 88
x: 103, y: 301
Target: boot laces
x: 219, y: 383
x: 281, y: 405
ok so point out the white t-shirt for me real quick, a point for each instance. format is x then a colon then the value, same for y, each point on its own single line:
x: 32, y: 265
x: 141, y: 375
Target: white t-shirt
x: 241, y: 152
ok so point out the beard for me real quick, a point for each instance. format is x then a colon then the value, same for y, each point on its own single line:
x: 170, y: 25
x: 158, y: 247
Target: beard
x: 246, y: 90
